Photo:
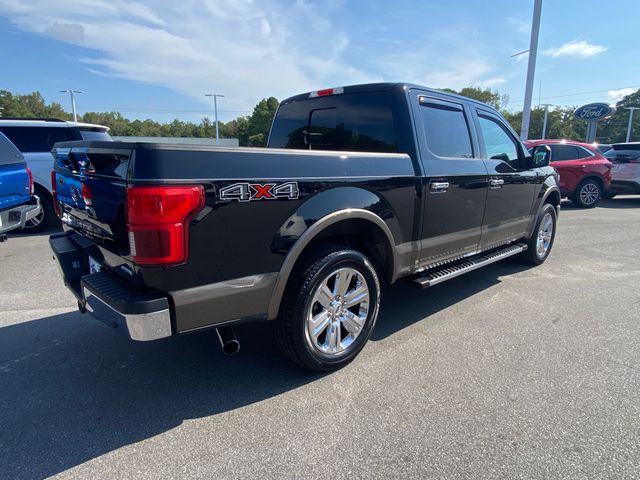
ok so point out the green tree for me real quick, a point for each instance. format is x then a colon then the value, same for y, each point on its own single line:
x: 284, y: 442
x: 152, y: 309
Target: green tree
x: 259, y: 122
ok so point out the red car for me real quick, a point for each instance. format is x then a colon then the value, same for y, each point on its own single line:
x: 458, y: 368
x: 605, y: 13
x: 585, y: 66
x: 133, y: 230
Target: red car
x: 585, y: 174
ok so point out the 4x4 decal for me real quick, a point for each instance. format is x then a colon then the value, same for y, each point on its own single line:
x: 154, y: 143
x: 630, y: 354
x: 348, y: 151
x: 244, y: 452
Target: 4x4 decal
x: 246, y: 192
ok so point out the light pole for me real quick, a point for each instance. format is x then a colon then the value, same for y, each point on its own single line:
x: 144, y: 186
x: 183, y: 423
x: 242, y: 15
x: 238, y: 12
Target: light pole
x: 72, y: 93
x: 631, y: 109
x: 531, y: 69
x: 544, y: 123
x: 215, y: 109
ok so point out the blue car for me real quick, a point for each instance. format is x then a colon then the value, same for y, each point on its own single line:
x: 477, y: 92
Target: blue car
x: 18, y: 205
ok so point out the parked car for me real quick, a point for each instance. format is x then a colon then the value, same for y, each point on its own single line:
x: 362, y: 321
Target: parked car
x: 585, y: 174
x: 18, y: 205
x: 625, y: 174
x: 360, y: 185
x: 34, y: 137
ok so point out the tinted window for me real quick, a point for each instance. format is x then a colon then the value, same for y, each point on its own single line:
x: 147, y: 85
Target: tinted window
x: 39, y: 139
x: 95, y: 135
x: 354, y: 122
x: 498, y: 142
x: 584, y: 153
x: 8, y: 153
x: 563, y: 152
x: 445, y: 129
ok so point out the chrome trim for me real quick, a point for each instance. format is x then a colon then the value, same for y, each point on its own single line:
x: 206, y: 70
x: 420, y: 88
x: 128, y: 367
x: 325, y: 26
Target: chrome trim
x: 26, y: 212
x: 310, y: 233
x: 141, y: 327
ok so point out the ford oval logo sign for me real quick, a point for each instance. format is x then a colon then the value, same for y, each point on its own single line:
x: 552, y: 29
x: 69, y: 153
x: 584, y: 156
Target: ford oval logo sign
x: 593, y: 112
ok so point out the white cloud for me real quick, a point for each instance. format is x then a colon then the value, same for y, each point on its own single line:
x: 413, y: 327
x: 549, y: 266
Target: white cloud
x: 522, y: 27
x: 244, y: 49
x: 575, y: 48
x: 617, y: 95
x: 492, y: 82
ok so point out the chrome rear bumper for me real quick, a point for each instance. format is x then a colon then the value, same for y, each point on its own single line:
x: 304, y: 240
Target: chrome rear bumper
x: 16, y: 217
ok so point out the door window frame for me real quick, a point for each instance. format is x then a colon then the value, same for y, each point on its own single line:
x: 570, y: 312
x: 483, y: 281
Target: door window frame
x: 508, y: 130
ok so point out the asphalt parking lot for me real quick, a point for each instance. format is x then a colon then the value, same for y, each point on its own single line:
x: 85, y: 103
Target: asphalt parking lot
x: 507, y: 372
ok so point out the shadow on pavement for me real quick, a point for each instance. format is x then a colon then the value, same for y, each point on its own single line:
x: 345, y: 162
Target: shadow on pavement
x: 621, y: 202
x: 71, y: 390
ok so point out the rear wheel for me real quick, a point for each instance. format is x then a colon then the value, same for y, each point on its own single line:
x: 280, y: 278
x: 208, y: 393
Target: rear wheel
x: 329, y: 311
x: 587, y: 194
x: 44, y: 219
x: 541, y: 242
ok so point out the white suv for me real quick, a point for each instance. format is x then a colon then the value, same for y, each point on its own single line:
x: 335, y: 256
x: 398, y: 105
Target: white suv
x: 35, y: 138
x: 625, y: 174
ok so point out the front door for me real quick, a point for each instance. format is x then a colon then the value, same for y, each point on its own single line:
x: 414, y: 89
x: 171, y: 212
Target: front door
x: 454, y: 182
x: 512, y: 183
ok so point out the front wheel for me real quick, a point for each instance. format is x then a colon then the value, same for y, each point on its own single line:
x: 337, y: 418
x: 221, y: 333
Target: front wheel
x: 541, y: 242
x: 329, y: 311
x: 587, y: 194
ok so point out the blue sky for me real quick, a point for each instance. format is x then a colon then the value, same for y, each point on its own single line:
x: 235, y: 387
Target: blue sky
x: 157, y: 59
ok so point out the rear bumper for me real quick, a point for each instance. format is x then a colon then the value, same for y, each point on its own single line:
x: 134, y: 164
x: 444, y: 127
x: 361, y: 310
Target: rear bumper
x: 136, y: 314
x: 16, y: 217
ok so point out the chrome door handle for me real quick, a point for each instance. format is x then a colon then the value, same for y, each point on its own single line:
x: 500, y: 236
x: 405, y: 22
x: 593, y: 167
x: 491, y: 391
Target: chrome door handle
x: 439, y: 187
x: 496, y: 183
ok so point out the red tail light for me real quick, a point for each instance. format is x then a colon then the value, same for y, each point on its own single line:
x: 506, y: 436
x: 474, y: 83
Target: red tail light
x: 30, y: 181
x: 87, y: 196
x: 158, y: 220
x: 54, y: 194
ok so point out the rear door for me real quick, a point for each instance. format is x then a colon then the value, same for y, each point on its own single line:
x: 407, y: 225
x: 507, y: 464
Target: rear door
x: 512, y: 184
x: 455, y: 178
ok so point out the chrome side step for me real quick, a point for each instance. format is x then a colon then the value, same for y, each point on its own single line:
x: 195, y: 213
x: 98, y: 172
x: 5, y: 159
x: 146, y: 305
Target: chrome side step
x: 448, y: 272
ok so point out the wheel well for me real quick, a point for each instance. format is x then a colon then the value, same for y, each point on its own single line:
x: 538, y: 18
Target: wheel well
x: 42, y: 192
x: 553, y: 199
x: 593, y: 177
x: 359, y: 234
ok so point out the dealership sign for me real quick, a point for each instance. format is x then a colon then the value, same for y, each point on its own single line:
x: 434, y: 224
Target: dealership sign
x: 593, y: 112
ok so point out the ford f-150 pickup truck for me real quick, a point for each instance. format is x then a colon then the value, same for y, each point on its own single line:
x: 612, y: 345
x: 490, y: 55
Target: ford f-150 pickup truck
x: 359, y: 186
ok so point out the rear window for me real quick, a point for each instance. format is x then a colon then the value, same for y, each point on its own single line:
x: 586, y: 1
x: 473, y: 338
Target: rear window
x: 352, y: 122
x: 39, y: 139
x: 563, y: 152
x: 98, y: 135
x: 445, y: 128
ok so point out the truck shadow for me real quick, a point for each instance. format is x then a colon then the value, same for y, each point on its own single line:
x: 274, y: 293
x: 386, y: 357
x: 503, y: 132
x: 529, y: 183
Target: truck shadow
x: 71, y: 390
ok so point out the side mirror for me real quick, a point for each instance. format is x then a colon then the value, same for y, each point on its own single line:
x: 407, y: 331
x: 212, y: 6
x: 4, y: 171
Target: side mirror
x: 540, y: 155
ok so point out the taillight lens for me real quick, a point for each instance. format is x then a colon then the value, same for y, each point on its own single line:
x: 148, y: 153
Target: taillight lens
x: 158, y: 220
x: 87, y: 196
x: 30, y: 181
x: 54, y: 194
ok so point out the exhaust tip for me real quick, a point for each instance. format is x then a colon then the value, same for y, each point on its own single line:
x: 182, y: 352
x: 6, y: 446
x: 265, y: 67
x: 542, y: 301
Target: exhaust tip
x: 228, y: 341
x: 231, y: 347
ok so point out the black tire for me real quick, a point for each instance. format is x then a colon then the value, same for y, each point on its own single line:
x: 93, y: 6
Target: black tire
x: 587, y: 194
x: 532, y: 255
x: 291, y: 327
x: 608, y: 195
x: 46, y: 219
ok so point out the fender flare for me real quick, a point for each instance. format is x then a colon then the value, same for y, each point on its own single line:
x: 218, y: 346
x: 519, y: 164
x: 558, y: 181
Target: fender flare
x: 550, y: 191
x: 309, y: 234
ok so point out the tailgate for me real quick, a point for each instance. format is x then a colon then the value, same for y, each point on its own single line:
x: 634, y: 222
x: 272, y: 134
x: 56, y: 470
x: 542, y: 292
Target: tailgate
x: 90, y: 183
x: 14, y: 185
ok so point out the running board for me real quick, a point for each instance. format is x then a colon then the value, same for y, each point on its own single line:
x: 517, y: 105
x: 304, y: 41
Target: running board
x: 451, y: 271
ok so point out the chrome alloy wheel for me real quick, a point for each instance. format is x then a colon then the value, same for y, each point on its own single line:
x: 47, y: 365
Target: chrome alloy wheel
x: 338, y: 311
x: 545, y: 234
x: 589, y: 193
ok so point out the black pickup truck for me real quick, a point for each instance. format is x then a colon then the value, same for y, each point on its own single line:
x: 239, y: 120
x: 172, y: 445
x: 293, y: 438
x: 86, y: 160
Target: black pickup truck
x: 359, y: 186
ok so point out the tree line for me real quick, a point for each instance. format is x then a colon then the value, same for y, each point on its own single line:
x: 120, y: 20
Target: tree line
x: 253, y: 130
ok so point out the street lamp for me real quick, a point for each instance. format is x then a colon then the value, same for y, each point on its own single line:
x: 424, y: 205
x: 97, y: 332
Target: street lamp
x: 531, y: 69
x: 215, y: 109
x: 544, y: 124
x: 72, y: 93
x: 631, y: 109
